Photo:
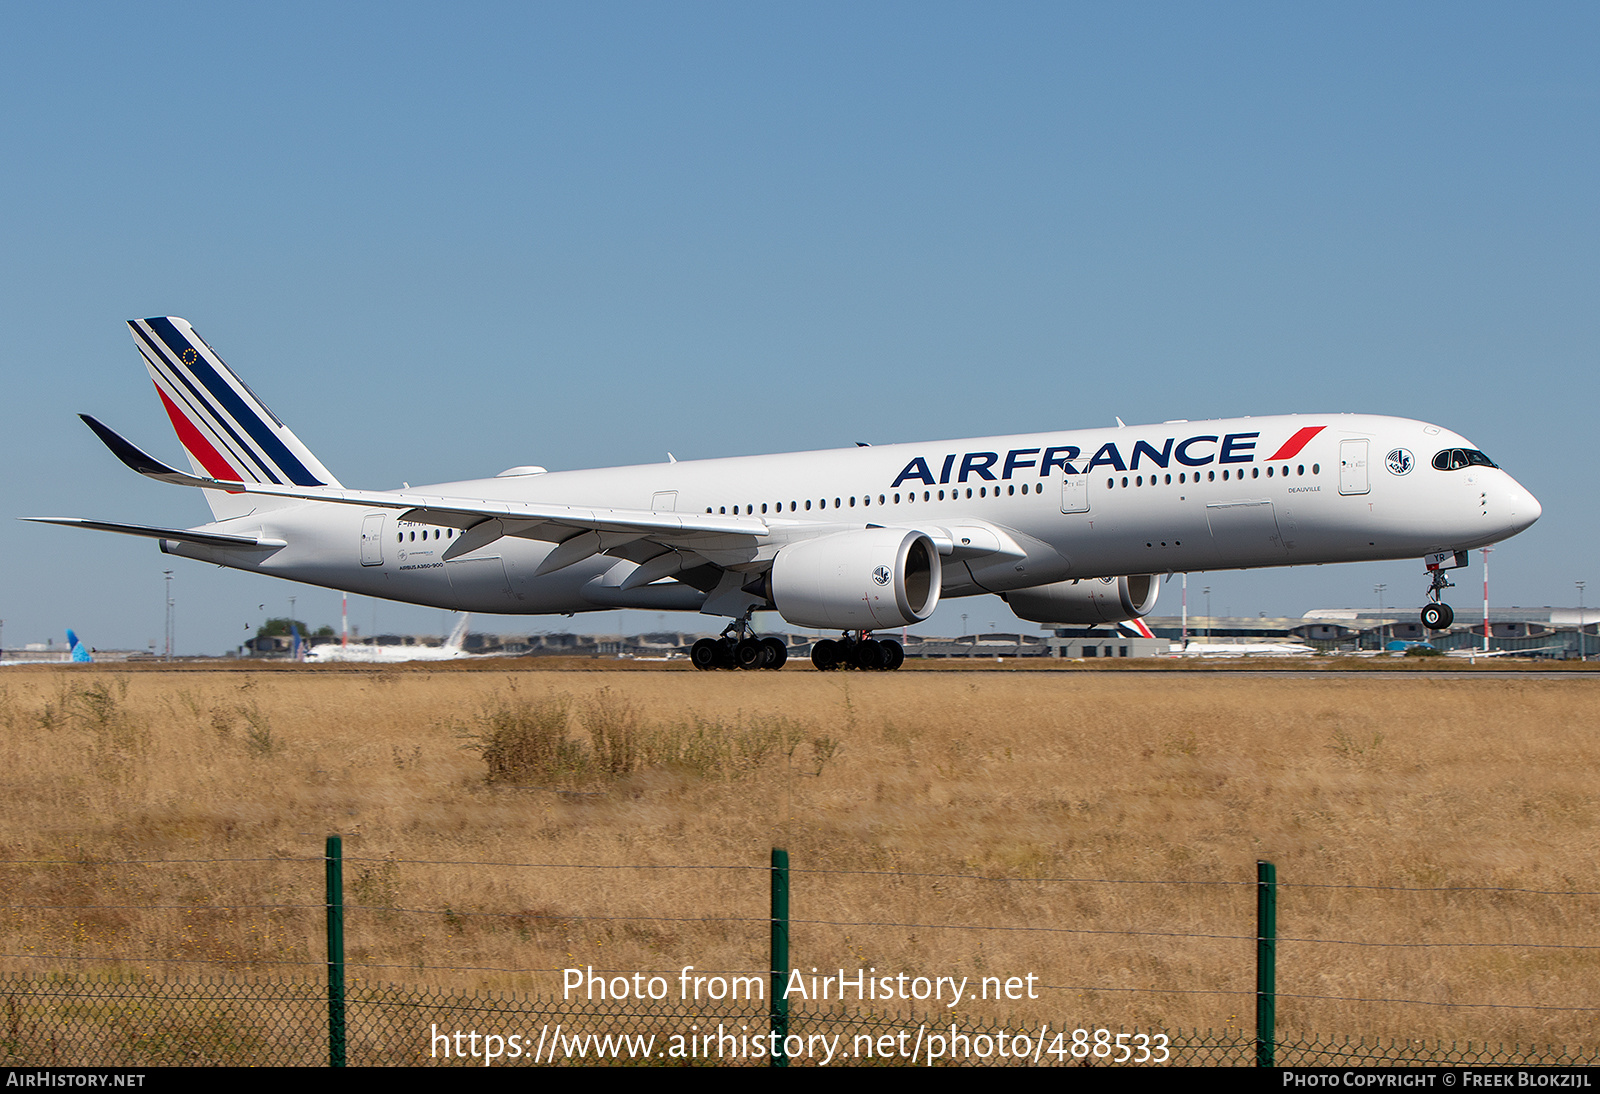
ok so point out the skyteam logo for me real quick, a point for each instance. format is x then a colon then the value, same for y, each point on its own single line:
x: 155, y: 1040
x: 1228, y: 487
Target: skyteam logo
x: 1400, y: 461
x: 882, y: 575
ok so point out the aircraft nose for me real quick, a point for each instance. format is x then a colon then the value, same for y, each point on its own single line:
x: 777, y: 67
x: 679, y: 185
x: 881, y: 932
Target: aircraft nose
x: 1522, y: 508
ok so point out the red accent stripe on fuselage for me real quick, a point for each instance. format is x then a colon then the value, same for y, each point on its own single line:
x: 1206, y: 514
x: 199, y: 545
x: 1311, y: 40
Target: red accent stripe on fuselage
x: 1291, y: 447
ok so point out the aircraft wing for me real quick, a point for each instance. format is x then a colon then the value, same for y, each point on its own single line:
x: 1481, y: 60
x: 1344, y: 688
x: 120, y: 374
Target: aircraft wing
x: 581, y: 532
x: 661, y: 542
x: 179, y: 535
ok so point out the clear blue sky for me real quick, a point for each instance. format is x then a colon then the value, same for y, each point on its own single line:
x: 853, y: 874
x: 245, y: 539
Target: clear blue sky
x: 444, y: 240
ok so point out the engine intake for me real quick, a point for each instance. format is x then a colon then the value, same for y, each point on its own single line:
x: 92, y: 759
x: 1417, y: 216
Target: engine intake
x: 866, y: 580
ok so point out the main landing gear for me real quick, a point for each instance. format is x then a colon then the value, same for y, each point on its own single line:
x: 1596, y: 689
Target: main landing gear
x: 857, y: 651
x: 739, y: 648
x: 1438, y: 616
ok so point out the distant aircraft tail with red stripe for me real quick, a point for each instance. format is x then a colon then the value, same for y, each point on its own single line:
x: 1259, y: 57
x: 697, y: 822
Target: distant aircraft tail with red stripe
x: 1136, y: 628
x: 228, y: 433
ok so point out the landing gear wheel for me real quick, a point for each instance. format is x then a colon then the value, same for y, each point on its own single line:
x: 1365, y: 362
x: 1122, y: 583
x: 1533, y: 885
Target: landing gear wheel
x: 825, y: 655
x: 1438, y: 617
x: 750, y: 653
x: 869, y: 655
x: 705, y: 654
x: 777, y: 653
x: 893, y: 654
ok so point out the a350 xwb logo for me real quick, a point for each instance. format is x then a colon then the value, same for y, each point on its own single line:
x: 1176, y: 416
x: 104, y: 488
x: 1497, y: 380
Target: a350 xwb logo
x: 1400, y: 461
x: 882, y: 575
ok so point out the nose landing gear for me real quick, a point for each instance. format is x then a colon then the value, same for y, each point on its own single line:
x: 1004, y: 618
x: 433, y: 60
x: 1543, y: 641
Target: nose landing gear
x: 1438, y: 616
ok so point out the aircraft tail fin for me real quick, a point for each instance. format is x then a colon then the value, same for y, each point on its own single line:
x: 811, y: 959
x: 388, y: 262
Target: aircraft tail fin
x: 227, y: 432
x: 458, y: 636
x: 80, y: 652
x: 1136, y: 628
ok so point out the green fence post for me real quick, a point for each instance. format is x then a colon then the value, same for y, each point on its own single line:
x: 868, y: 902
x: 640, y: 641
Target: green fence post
x: 780, y: 956
x: 335, y: 893
x: 1266, y: 962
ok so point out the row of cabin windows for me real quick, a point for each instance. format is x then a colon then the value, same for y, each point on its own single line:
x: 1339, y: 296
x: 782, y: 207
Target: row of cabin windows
x: 1211, y: 476
x: 883, y: 499
x: 939, y: 495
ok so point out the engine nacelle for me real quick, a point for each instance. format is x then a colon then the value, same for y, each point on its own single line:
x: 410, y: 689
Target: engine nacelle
x: 1086, y: 600
x: 866, y: 580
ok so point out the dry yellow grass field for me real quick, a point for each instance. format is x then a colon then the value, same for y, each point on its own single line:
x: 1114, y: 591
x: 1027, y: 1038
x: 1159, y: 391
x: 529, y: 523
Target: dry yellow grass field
x: 1418, y: 827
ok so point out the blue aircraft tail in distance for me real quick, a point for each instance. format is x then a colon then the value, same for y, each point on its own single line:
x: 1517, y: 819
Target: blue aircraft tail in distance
x: 80, y: 652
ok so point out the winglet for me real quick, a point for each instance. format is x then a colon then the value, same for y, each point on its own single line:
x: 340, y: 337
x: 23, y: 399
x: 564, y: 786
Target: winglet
x: 139, y: 460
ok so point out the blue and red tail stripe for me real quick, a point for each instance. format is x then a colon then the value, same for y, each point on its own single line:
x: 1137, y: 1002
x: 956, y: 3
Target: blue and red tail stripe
x: 195, y: 443
x: 221, y: 423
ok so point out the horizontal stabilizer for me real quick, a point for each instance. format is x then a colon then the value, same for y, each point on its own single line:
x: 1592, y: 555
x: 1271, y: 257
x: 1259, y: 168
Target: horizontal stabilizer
x: 177, y: 535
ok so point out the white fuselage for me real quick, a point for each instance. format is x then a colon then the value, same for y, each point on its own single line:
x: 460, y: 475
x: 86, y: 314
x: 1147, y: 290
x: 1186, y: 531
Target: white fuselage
x: 1180, y: 496
x: 367, y: 653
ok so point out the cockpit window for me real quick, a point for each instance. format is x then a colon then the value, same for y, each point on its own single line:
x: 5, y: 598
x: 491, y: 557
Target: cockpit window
x: 1453, y: 459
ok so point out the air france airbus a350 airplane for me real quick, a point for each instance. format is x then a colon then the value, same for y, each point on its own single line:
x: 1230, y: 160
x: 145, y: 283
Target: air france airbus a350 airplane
x: 1070, y: 528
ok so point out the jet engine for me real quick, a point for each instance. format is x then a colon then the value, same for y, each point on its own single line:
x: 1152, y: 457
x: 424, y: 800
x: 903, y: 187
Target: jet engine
x: 1086, y: 601
x: 866, y: 580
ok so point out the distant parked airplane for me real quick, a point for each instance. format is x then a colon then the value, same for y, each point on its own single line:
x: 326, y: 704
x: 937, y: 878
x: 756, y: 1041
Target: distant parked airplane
x: 451, y: 650
x: 1244, y: 649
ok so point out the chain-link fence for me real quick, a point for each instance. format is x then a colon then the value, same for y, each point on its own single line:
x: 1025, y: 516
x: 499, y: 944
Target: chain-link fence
x: 65, y: 1010
x: 93, y: 1021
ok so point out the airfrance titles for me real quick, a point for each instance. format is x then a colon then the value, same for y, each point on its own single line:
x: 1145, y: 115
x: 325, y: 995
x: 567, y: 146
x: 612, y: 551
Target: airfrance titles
x: 1197, y: 451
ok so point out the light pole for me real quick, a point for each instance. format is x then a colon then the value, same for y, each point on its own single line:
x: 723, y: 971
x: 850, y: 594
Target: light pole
x: 1185, y: 635
x: 1582, y: 645
x: 168, y: 574
x: 1207, y: 591
x: 1486, y: 551
x: 1379, y: 590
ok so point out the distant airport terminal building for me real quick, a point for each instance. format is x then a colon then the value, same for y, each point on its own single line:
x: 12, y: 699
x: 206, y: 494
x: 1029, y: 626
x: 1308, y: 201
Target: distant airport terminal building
x: 1552, y: 633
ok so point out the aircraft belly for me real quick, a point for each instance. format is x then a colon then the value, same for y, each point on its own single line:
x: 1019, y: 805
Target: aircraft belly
x: 1335, y: 528
x: 1245, y: 531
x: 504, y: 579
x: 480, y: 584
x: 665, y: 597
x: 1134, y: 536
